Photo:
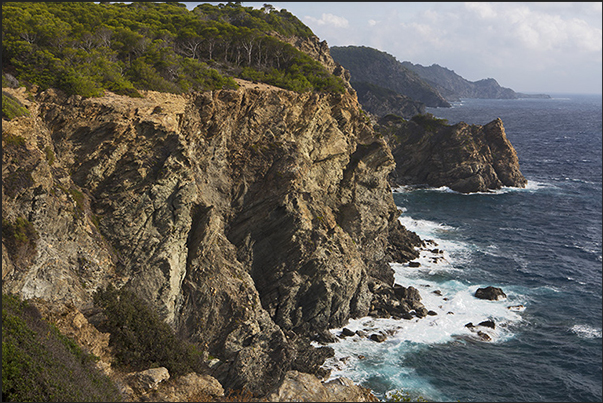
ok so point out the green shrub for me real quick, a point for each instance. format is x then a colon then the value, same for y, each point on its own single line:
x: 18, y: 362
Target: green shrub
x: 140, y: 339
x: 429, y: 122
x: 39, y: 364
x: 49, y: 155
x: 20, y: 238
x: 11, y: 107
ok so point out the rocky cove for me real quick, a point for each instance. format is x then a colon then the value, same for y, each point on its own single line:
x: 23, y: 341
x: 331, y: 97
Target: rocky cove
x: 251, y: 220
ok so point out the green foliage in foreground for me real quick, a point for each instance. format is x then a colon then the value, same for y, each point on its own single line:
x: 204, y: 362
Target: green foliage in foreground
x: 11, y: 107
x: 39, y: 364
x: 86, y: 48
x: 141, y: 340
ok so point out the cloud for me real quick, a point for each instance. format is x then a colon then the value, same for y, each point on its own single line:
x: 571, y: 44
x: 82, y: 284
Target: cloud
x: 516, y: 43
x: 328, y: 19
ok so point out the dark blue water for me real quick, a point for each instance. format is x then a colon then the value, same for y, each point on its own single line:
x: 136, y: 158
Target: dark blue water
x: 541, y: 245
x: 547, y: 239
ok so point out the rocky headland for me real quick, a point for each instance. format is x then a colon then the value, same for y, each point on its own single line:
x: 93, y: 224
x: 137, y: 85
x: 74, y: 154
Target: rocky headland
x: 453, y: 87
x: 465, y: 158
x: 368, y: 65
x: 251, y: 220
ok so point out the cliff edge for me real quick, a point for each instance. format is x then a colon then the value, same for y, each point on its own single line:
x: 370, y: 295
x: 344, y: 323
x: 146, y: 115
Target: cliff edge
x: 252, y: 220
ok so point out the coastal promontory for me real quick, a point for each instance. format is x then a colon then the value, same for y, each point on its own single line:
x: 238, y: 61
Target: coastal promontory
x: 465, y: 158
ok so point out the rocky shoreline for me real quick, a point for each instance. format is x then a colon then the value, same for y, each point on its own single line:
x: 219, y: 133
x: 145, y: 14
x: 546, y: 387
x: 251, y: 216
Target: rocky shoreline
x: 251, y: 220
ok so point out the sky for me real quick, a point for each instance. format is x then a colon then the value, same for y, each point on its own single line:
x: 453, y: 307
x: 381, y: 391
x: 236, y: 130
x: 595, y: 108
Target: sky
x: 532, y: 47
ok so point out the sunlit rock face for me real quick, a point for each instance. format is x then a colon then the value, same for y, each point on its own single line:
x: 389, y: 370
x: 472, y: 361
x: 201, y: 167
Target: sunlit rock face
x: 251, y: 219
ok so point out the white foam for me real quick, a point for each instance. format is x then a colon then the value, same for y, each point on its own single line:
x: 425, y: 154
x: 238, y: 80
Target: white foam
x: 532, y: 185
x: 586, y: 332
x: 453, y: 301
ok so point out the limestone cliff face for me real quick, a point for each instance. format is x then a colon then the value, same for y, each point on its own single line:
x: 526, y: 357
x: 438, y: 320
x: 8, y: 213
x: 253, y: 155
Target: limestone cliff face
x: 250, y: 219
x: 466, y: 158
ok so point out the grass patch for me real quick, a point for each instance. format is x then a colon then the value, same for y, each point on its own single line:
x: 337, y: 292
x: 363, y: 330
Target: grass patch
x: 11, y: 107
x: 39, y: 364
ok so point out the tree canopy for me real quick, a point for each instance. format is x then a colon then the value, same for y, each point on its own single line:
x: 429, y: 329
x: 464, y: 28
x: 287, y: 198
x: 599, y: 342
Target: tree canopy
x: 85, y: 48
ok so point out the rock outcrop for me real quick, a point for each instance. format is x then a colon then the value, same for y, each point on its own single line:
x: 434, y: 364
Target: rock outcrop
x: 382, y: 69
x: 490, y: 293
x: 380, y: 101
x: 251, y: 220
x: 299, y: 387
x: 466, y: 158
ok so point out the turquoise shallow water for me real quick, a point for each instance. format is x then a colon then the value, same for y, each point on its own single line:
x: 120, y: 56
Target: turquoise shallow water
x: 541, y: 245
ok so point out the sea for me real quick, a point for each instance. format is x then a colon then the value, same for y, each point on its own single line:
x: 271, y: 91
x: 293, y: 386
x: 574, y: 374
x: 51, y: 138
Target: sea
x: 541, y: 245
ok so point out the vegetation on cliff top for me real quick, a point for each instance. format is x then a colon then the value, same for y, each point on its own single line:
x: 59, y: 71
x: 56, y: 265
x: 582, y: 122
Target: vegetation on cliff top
x: 85, y: 48
x: 39, y: 364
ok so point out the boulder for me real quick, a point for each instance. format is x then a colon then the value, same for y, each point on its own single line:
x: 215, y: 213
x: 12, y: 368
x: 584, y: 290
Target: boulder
x: 406, y: 293
x: 378, y: 337
x: 346, y: 332
x: 484, y: 336
x: 301, y: 387
x: 491, y: 293
x: 488, y: 323
x: 147, y: 380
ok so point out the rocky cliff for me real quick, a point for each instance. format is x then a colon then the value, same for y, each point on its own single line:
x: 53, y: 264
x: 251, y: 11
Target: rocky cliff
x: 372, y: 66
x: 466, y: 158
x: 380, y: 101
x: 252, y: 220
x: 453, y: 87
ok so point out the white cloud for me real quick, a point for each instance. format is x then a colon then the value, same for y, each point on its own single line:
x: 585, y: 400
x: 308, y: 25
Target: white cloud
x: 329, y: 19
x: 518, y: 44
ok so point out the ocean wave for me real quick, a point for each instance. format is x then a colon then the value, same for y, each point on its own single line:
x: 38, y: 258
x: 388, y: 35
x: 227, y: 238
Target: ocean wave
x: 586, y: 332
x: 531, y: 186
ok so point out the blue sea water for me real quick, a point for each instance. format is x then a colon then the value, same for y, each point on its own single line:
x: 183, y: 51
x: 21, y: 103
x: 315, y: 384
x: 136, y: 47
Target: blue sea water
x: 542, y: 245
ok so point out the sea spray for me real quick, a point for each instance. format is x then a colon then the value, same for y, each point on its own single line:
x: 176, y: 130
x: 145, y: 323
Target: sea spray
x: 456, y: 315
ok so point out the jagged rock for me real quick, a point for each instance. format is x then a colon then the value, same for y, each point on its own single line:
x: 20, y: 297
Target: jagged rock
x: 237, y: 215
x: 488, y: 323
x: 491, y: 293
x: 188, y: 388
x: 466, y: 158
x: 407, y: 293
x: 484, y: 336
x: 299, y: 387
